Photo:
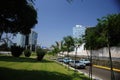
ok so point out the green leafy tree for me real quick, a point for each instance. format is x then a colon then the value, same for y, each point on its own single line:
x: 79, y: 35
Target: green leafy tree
x: 90, y: 38
x: 55, y: 49
x: 63, y: 48
x: 58, y: 46
x: 17, y: 16
x: 77, y: 43
x: 69, y: 43
x: 90, y: 44
x: 105, y: 34
x: 108, y: 36
x: 111, y: 31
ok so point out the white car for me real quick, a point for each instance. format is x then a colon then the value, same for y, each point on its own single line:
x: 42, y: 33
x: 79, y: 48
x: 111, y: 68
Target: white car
x: 77, y: 64
x: 85, y: 61
x: 67, y: 60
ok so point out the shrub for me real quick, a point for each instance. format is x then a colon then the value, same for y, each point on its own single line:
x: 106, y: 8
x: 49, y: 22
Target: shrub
x: 4, y: 47
x: 40, y: 54
x: 27, y: 53
x: 16, y: 51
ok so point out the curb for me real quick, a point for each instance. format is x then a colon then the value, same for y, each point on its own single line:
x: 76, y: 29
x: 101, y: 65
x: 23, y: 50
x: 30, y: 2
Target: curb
x: 107, y: 68
x: 86, y: 74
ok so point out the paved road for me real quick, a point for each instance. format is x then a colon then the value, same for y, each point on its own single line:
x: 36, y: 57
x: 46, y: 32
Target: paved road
x: 102, y: 73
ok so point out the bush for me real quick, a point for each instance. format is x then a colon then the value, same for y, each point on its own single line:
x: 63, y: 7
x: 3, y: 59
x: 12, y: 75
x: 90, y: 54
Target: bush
x: 16, y: 51
x: 27, y: 53
x: 4, y: 47
x: 40, y: 54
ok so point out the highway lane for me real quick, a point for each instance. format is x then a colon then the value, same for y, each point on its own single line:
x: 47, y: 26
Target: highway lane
x: 101, y: 73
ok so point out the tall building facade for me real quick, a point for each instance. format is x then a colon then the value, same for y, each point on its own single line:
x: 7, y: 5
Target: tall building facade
x: 29, y: 40
x: 20, y: 40
x: 78, y: 31
x: 33, y: 40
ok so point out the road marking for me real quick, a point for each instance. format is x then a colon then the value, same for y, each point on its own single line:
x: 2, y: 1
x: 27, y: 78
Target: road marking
x: 103, y: 67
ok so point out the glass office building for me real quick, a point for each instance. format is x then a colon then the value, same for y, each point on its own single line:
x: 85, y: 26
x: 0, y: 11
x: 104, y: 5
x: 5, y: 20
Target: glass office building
x: 78, y: 31
x: 29, y: 40
x: 33, y: 40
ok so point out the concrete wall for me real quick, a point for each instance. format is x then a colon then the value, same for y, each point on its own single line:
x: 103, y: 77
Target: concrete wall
x: 103, y: 52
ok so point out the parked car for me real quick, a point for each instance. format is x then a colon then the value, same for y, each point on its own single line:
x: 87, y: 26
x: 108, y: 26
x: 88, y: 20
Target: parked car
x: 60, y: 59
x: 67, y: 60
x: 85, y: 61
x: 77, y: 64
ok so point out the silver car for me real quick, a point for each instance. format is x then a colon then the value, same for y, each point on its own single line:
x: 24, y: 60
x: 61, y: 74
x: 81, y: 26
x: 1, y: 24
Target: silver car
x: 85, y: 61
x: 77, y: 64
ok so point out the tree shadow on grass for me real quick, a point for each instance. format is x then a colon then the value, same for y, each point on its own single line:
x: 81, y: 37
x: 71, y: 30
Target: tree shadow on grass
x: 21, y: 59
x: 12, y: 74
x: 80, y: 76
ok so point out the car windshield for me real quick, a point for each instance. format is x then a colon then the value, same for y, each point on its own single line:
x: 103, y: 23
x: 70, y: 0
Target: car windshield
x: 66, y: 58
x: 76, y: 61
x: 86, y: 60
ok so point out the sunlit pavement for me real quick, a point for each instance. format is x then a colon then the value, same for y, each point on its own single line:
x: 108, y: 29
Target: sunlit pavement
x: 86, y: 72
x: 83, y: 71
x: 99, y: 72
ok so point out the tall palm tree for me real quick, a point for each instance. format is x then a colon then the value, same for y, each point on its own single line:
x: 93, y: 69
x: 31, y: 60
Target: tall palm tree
x: 56, y: 48
x: 63, y: 48
x: 69, y: 43
x: 77, y: 43
x: 110, y: 31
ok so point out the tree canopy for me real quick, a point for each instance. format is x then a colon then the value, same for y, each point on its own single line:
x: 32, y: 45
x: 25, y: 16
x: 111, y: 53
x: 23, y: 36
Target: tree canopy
x: 106, y: 30
x: 55, y: 48
x: 17, y: 16
x: 69, y: 43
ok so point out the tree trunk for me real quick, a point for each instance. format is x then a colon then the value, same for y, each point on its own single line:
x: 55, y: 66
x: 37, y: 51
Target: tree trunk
x: 75, y: 57
x: 68, y: 57
x: 111, y: 65
x: 90, y: 68
x: 0, y: 36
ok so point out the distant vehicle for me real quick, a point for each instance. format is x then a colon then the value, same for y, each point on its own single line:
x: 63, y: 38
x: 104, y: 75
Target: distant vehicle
x: 77, y: 64
x: 85, y: 61
x: 67, y: 60
x: 60, y: 59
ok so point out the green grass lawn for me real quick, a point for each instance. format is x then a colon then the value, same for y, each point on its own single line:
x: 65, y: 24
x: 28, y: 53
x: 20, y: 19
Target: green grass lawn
x: 12, y: 68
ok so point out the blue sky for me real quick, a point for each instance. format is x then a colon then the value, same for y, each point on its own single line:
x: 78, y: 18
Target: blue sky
x: 56, y: 18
